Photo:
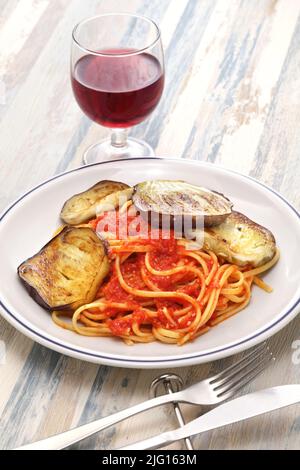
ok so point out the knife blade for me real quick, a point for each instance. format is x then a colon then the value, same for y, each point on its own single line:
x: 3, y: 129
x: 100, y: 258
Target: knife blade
x: 239, y: 409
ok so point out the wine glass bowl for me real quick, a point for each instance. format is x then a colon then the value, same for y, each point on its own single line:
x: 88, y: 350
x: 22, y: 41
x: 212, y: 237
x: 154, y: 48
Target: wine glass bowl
x: 117, y: 74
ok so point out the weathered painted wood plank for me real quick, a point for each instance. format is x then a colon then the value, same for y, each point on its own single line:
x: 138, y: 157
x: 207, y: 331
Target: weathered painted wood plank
x: 277, y: 158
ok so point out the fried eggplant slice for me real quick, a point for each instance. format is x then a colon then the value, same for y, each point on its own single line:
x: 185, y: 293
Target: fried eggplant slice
x: 87, y: 205
x: 241, y: 241
x: 180, y: 199
x: 67, y: 272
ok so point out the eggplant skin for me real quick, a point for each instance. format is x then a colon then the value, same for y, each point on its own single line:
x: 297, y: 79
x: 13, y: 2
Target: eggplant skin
x: 87, y: 205
x: 68, y: 271
x: 241, y: 241
x: 178, y: 199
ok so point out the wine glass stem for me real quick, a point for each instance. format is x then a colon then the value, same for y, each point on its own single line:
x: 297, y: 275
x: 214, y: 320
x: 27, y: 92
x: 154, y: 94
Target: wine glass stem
x: 119, y: 138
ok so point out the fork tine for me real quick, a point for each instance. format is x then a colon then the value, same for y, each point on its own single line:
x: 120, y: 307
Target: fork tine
x: 231, y: 391
x: 255, y: 352
x: 248, y: 374
x: 246, y: 363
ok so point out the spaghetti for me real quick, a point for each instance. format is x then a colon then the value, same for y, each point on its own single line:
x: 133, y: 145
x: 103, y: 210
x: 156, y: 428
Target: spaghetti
x: 160, y: 289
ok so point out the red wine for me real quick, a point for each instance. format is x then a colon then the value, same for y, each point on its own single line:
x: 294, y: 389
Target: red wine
x: 118, y: 91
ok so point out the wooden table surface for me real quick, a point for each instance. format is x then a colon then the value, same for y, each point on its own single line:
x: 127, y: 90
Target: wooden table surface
x: 232, y: 97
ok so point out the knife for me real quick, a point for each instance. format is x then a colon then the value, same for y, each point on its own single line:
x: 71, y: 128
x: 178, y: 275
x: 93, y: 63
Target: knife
x: 244, y: 407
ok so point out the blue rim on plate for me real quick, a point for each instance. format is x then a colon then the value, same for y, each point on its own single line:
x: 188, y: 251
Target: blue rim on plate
x: 192, y: 356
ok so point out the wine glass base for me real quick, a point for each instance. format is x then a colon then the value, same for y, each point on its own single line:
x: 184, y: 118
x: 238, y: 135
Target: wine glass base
x: 105, y: 151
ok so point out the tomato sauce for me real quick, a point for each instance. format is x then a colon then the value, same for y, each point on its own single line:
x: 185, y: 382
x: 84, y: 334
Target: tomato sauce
x: 163, y: 255
x: 122, y: 326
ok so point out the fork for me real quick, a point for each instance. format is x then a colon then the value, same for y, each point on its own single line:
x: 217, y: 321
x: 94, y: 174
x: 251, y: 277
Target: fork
x: 211, y: 391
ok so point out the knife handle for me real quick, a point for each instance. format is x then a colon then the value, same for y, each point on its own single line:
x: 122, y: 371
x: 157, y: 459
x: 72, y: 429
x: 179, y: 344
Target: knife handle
x: 162, y: 440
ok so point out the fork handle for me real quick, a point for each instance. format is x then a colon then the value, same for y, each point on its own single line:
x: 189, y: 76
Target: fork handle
x: 65, y: 439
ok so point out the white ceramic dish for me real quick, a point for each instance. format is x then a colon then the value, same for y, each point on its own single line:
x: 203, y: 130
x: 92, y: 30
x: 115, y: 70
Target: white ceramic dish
x: 29, y: 222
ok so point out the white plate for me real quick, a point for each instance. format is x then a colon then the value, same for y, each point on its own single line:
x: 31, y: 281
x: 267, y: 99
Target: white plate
x: 29, y: 222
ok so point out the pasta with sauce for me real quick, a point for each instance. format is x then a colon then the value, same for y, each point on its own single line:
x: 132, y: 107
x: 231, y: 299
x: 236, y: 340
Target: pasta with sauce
x: 158, y: 288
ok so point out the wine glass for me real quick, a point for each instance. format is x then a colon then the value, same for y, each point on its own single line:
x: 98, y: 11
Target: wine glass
x: 117, y: 73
